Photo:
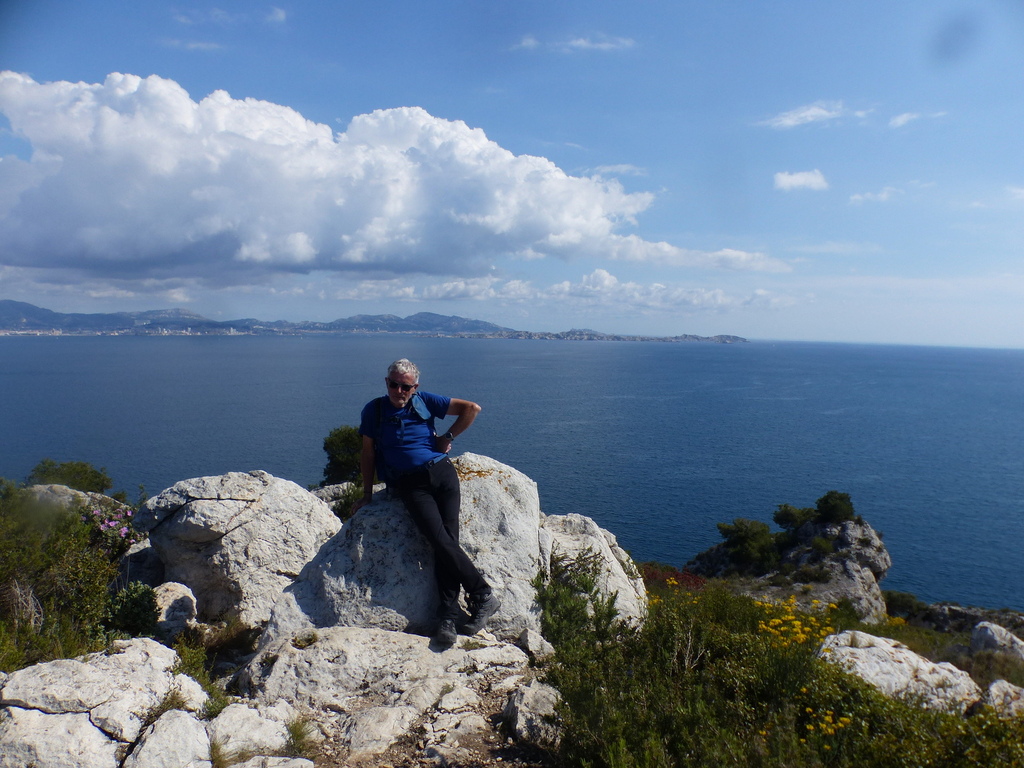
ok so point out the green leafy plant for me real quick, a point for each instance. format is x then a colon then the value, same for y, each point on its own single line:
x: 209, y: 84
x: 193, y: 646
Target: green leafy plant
x: 715, y: 678
x: 133, y: 610
x: 79, y: 475
x: 750, y: 544
x: 343, y: 447
x: 194, y: 661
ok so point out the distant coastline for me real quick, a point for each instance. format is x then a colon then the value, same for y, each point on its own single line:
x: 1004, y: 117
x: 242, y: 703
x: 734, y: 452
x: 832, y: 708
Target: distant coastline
x: 19, y: 318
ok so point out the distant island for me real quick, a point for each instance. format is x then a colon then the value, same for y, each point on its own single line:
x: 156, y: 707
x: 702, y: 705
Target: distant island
x: 18, y: 318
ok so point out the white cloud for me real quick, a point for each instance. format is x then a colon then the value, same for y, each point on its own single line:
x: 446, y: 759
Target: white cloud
x: 635, y: 249
x: 818, y: 112
x: 134, y: 187
x: 192, y: 45
x: 622, y: 169
x: 875, y: 197
x: 599, y: 42
x: 602, y: 288
x: 801, y: 180
x: 908, y: 117
x: 901, y: 120
x: 529, y: 42
x: 277, y: 16
x: 1016, y: 193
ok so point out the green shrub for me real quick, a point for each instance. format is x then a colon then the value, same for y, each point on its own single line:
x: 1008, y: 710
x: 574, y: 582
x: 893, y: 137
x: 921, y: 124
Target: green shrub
x: 789, y: 518
x: 79, y: 475
x: 902, y: 604
x: 834, y: 507
x: 194, y: 661
x: 134, y: 611
x: 53, y: 582
x: 750, y: 544
x: 713, y: 678
x: 343, y: 447
x: 822, y: 546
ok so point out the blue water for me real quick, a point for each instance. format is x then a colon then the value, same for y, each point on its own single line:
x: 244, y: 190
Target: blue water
x: 657, y: 442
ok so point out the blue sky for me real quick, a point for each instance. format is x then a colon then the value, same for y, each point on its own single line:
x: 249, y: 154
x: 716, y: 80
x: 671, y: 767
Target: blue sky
x: 844, y: 171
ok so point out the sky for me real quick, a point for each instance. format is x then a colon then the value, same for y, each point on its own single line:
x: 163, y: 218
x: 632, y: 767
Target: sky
x: 776, y: 169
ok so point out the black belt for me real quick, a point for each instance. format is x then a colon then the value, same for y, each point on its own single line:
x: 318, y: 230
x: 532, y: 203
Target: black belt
x: 421, y: 467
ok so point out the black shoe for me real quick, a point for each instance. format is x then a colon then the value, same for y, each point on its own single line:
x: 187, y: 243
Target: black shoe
x: 446, y: 634
x: 480, y: 611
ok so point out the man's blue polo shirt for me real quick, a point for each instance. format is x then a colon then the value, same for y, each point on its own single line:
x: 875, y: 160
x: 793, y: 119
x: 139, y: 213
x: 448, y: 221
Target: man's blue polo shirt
x: 406, y: 439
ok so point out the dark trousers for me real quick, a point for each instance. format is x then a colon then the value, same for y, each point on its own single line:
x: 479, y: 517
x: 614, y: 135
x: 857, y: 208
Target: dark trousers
x: 433, y: 498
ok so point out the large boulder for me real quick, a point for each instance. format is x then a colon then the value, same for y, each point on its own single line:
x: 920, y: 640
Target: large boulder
x: 87, y: 711
x: 378, y: 683
x: 987, y: 636
x: 236, y: 540
x: 378, y: 571
x: 900, y: 673
x: 105, y: 710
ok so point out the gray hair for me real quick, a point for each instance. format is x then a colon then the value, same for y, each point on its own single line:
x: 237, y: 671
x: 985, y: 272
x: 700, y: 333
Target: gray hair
x: 404, y: 366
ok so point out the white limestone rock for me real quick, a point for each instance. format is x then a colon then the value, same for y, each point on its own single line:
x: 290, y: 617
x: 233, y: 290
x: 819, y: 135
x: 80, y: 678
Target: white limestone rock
x: 530, y: 713
x: 71, y: 498
x: 236, y: 540
x: 176, y: 740
x: 29, y: 737
x: 240, y: 728
x: 535, y: 645
x: 900, y: 673
x: 176, y: 609
x: 573, y: 534
x: 379, y: 681
x: 378, y: 572
x: 987, y: 636
x: 116, y: 690
x: 1005, y: 698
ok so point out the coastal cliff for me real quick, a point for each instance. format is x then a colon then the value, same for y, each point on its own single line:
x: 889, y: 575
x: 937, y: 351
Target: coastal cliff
x: 335, y: 667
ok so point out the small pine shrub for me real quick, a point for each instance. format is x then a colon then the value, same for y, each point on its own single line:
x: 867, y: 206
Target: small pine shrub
x: 750, y: 544
x: 134, y: 611
x: 194, y: 661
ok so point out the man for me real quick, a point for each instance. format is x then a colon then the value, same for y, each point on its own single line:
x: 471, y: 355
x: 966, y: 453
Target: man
x: 399, y: 443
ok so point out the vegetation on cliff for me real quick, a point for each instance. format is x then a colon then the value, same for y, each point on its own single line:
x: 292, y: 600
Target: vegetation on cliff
x: 714, y: 678
x: 710, y: 678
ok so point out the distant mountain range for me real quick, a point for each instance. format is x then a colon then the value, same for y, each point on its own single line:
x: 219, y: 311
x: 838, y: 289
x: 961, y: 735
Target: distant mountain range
x: 18, y: 317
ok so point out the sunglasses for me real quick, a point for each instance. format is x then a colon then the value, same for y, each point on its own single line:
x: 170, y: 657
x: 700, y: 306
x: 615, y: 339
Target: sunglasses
x: 403, y: 387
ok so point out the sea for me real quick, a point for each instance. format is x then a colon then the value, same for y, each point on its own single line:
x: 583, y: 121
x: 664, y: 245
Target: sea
x: 658, y: 442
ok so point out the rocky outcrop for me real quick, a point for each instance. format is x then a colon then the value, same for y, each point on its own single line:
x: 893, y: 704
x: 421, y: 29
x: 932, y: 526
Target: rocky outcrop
x: 236, y: 540
x: 377, y: 572
x: 900, y: 673
x: 338, y: 608
x: 991, y: 637
x: 127, y: 708
x: 70, y: 498
x: 372, y: 685
x: 89, y: 712
x: 824, y: 562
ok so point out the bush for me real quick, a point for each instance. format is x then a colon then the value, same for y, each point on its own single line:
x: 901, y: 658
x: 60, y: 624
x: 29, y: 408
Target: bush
x: 79, y: 475
x: 835, y: 507
x: 134, y: 611
x: 789, y: 518
x: 902, y: 604
x: 750, y: 545
x: 343, y: 447
x: 713, y: 678
x: 53, y: 582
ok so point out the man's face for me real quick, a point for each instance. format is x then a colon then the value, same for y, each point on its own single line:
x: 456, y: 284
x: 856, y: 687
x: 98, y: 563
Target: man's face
x: 401, y: 387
